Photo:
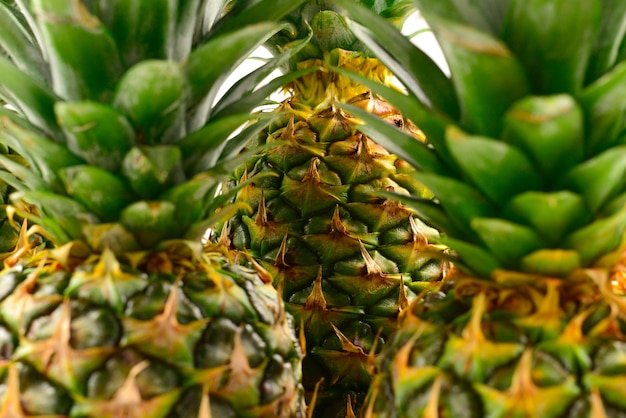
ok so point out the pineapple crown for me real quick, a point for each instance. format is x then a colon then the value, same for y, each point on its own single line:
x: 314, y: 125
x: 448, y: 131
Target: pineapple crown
x: 526, y: 152
x: 323, y: 23
x: 115, y: 111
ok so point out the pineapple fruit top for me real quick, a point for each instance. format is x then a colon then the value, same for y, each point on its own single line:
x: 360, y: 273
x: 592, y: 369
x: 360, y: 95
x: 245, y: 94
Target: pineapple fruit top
x: 116, y: 115
x: 527, y: 161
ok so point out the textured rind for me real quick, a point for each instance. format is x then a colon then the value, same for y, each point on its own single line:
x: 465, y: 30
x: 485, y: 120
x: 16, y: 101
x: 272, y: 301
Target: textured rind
x: 539, y: 347
x: 214, y: 332
x: 336, y: 249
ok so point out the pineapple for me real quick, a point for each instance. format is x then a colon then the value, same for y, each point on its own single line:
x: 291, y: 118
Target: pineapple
x: 345, y: 258
x: 117, y: 120
x: 529, y: 191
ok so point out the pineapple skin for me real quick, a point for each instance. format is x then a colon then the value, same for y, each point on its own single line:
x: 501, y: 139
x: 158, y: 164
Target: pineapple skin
x: 346, y: 260
x: 129, y: 315
x: 177, y: 336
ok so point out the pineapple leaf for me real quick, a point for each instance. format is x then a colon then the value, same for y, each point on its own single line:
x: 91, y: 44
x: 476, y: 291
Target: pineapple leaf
x: 26, y: 178
x: 507, y: 241
x: 204, y: 79
x: 598, y: 238
x: 142, y: 29
x: 100, y: 191
x: 600, y: 178
x: 64, y: 217
x: 555, y: 263
x: 612, y: 31
x: 605, y: 107
x: 33, y: 99
x: 486, y: 15
x: 417, y: 71
x: 19, y: 44
x: 209, y: 139
x: 550, y: 130
x: 189, y: 15
x: 244, y: 87
x: 245, y: 99
x: 98, y: 133
x: 498, y: 170
x: 473, y: 259
x: 189, y: 199
x: 254, y: 13
x: 461, y: 202
x: 153, y: 95
x: 554, y: 55
x: 151, y: 222
x: 75, y: 41
x: 212, y: 10
x: 488, y: 78
x: 403, y: 144
x: 44, y: 155
x: 552, y: 215
x: 152, y: 170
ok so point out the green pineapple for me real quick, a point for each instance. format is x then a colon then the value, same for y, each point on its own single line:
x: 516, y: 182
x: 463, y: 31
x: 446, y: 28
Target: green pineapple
x: 345, y: 258
x: 529, y: 190
x: 126, y: 148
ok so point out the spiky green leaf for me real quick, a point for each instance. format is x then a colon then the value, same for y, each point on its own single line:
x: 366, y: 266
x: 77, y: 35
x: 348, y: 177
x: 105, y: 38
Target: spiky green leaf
x: 550, y: 130
x: 540, y: 33
x: 551, y: 214
x: 84, y: 59
x: 96, y: 132
x: 498, y: 170
x: 488, y: 78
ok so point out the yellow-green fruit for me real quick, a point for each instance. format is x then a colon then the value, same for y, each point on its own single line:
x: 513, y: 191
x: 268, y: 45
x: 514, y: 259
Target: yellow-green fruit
x: 345, y: 257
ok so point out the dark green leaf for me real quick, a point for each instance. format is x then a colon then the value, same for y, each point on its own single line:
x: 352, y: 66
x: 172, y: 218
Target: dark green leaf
x: 84, y: 59
x: 98, y: 133
x: 232, y: 49
x: 488, y: 78
x: 30, y: 97
x: 153, y: 170
x: 254, y: 13
x: 599, y: 178
x: 153, y: 95
x: 540, y: 33
x: 552, y: 215
x: 63, y: 217
x: 486, y: 15
x: 612, y: 31
x: 151, y: 222
x: 550, y: 130
x: 605, y: 109
x: 142, y: 29
x: 251, y: 99
x: 44, y: 155
x: 414, y: 68
x: 598, y: 238
x: 474, y: 258
x: 101, y: 192
x: 20, y: 45
x: 461, y: 202
x: 507, y: 241
x: 499, y: 170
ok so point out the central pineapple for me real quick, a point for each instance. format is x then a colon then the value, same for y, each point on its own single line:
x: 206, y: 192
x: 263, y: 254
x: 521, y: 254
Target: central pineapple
x: 129, y: 316
x: 345, y: 258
